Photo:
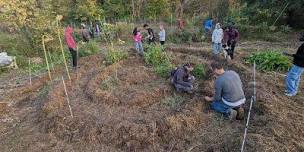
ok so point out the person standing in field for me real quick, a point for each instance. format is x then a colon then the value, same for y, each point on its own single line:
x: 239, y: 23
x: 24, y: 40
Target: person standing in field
x: 151, y: 36
x: 231, y: 37
x: 85, y: 33
x: 137, y: 38
x: 294, y: 75
x: 229, y: 96
x: 71, y: 43
x: 217, y: 38
x: 208, y: 25
x: 162, y: 35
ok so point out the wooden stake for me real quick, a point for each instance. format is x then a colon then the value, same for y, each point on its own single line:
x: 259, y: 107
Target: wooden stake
x: 67, y: 97
x: 62, y: 51
x: 46, y: 58
x: 30, y: 72
x: 53, y: 68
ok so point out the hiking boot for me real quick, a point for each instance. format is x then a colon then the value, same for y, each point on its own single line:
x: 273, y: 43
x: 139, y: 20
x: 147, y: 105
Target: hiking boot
x: 232, y: 115
x: 240, y: 114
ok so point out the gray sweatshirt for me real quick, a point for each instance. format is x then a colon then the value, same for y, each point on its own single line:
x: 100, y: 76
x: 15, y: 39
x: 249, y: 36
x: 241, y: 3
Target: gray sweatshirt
x: 229, y: 87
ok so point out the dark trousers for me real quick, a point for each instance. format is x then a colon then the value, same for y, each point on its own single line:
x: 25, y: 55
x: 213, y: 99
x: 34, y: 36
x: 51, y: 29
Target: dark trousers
x: 231, y: 44
x: 74, y: 56
x: 162, y: 42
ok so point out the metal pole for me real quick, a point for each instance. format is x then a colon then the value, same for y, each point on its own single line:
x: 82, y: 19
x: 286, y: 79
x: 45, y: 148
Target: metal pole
x: 253, y: 99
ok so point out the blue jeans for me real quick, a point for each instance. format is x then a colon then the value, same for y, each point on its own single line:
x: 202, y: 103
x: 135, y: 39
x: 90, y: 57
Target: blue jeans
x: 139, y: 48
x: 221, y: 107
x: 293, y: 79
x: 217, y: 48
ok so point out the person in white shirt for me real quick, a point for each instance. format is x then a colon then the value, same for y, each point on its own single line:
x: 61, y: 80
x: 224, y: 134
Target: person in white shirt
x: 162, y: 35
x: 217, y: 38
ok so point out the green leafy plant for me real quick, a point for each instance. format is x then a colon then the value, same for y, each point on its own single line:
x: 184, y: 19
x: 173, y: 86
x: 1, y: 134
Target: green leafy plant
x: 109, y: 83
x: 156, y: 57
x: 269, y: 60
x: 88, y: 49
x: 199, y: 71
x: 114, y: 56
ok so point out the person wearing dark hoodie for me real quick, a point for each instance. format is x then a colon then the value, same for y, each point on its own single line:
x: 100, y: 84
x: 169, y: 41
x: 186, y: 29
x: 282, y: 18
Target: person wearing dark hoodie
x: 182, y: 79
x: 294, y: 75
x: 231, y: 37
x: 151, y: 36
x: 71, y: 43
x: 229, y: 96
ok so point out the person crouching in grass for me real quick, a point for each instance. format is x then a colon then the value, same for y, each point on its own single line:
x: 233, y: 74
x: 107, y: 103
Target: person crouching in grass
x: 229, y: 95
x: 137, y: 38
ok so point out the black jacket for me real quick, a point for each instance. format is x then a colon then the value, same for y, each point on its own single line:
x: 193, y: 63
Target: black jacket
x: 299, y: 57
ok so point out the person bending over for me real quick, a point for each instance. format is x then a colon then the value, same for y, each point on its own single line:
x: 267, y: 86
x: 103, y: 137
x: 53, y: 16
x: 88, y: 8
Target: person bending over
x: 182, y: 79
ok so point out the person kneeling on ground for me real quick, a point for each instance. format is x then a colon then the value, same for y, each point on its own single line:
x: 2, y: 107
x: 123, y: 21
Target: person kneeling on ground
x: 294, y: 75
x: 182, y: 79
x: 229, y: 96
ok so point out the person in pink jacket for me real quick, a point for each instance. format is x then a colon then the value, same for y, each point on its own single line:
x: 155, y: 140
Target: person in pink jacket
x: 137, y: 37
x: 71, y: 43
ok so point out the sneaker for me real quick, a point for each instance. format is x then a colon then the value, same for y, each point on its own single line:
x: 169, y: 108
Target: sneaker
x: 232, y: 115
x: 240, y: 114
x: 290, y: 94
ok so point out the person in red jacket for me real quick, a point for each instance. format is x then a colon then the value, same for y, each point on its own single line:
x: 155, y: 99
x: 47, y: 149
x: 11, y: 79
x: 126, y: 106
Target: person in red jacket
x: 231, y: 37
x: 71, y: 43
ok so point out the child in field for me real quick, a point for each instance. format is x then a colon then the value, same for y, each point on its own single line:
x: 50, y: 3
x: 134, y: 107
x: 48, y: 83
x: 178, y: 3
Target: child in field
x: 162, y: 35
x: 150, y: 37
x: 137, y: 37
x: 217, y: 38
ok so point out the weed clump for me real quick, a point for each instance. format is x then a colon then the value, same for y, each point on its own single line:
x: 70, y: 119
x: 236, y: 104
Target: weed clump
x: 89, y: 48
x: 156, y: 57
x: 114, y: 56
x: 269, y: 60
x: 199, y: 71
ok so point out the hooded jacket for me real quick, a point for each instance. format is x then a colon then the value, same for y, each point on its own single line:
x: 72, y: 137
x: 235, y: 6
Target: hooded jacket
x: 299, y: 57
x: 232, y: 34
x: 218, y: 34
x: 69, y: 37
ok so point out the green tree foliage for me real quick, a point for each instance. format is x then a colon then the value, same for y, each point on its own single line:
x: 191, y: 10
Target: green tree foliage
x: 117, y: 8
x: 156, y: 8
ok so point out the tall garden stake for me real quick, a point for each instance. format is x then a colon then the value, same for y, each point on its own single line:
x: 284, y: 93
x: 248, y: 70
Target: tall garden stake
x: 67, y: 97
x: 30, y: 72
x: 61, y: 46
x: 52, y: 64
x: 253, y: 99
x: 46, y: 58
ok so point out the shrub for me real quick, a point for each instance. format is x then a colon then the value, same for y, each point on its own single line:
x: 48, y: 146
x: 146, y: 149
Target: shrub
x: 114, y: 56
x: 163, y: 70
x: 174, y: 101
x: 156, y: 56
x: 88, y: 49
x: 269, y: 60
x: 199, y: 71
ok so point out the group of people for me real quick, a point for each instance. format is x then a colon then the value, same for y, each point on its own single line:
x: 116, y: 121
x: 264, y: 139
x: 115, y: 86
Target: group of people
x: 226, y: 39
x: 229, y: 96
x: 150, y: 38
